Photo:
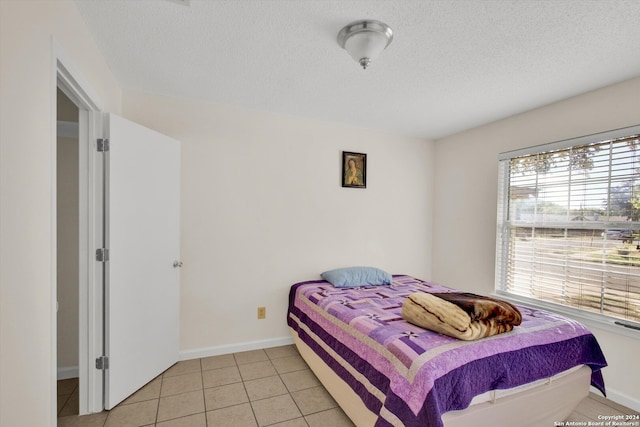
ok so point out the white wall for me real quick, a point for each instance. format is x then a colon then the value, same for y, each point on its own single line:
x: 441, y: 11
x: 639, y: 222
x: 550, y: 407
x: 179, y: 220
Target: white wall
x: 28, y: 30
x: 262, y: 208
x: 465, y: 200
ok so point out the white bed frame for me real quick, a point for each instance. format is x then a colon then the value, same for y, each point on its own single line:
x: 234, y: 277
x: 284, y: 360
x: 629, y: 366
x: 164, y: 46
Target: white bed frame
x: 541, y: 405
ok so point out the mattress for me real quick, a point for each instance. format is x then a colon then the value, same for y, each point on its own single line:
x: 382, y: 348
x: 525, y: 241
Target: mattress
x: 406, y: 375
x: 546, y: 402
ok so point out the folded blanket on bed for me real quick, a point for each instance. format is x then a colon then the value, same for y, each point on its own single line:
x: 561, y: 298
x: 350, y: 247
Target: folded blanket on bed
x: 460, y: 315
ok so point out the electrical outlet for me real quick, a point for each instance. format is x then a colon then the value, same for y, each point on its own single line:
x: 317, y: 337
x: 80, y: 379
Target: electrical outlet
x: 262, y: 312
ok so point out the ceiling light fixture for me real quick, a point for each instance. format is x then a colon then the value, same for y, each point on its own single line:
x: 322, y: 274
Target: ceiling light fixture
x: 364, y: 40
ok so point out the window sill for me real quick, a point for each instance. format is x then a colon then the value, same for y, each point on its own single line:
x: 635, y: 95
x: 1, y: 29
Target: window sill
x: 589, y: 319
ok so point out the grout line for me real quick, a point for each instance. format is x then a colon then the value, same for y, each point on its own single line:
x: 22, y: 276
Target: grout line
x: 294, y: 400
x: 583, y: 416
x: 204, y: 399
x: 159, y: 395
x: 244, y: 385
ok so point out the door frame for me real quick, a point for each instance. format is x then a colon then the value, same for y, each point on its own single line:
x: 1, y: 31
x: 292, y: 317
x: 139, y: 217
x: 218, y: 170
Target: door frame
x: 90, y: 322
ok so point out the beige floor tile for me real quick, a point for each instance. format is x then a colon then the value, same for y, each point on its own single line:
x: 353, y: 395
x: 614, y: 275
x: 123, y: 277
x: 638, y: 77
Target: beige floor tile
x: 313, y: 400
x: 148, y: 392
x: 289, y: 364
x: 133, y: 415
x: 298, y: 422
x: 181, y: 384
x: 71, y: 406
x: 299, y: 380
x: 592, y: 408
x: 576, y: 417
x: 222, y: 376
x: 333, y: 417
x: 616, y: 407
x: 250, y: 356
x: 233, y: 416
x: 184, y: 367
x: 282, y: 351
x: 197, y: 420
x: 180, y: 405
x: 586, y: 409
x: 217, y: 362
x: 67, y: 386
x: 252, y: 371
x: 62, y: 399
x: 263, y: 388
x: 224, y: 396
x: 275, y: 410
x: 92, y: 420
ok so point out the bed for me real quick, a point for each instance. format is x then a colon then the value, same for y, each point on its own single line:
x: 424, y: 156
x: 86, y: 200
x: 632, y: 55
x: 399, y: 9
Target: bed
x: 384, y: 371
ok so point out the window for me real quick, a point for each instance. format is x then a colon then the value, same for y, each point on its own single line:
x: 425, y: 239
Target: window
x: 569, y: 224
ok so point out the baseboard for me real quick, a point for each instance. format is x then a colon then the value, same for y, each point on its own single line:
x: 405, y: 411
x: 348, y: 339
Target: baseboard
x: 68, y: 372
x: 623, y: 399
x: 197, y: 353
x: 68, y: 129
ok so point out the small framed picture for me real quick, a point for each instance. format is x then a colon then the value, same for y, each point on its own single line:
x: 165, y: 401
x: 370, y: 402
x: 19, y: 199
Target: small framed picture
x: 354, y: 170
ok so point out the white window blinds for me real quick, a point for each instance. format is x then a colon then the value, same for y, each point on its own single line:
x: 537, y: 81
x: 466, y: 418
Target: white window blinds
x: 569, y: 223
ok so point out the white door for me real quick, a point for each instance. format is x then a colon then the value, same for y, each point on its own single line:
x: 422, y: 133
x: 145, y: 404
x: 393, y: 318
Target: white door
x: 143, y: 238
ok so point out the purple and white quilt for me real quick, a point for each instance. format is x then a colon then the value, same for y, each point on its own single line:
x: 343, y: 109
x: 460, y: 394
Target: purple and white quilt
x: 411, y: 376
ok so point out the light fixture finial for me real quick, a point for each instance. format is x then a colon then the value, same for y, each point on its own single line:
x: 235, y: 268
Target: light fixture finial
x: 365, y: 39
x: 364, y: 62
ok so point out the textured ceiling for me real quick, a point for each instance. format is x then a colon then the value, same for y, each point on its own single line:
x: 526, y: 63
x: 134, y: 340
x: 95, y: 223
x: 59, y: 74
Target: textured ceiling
x: 452, y: 65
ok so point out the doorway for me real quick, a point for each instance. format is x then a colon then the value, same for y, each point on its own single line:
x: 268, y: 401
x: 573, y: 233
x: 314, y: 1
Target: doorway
x: 77, y: 326
x: 128, y: 251
x: 68, y: 255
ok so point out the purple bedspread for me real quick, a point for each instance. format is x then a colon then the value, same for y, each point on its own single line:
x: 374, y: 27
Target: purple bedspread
x: 411, y: 376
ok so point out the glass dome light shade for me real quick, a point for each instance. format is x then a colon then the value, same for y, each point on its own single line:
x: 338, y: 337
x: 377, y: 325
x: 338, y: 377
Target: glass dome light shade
x: 364, y: 40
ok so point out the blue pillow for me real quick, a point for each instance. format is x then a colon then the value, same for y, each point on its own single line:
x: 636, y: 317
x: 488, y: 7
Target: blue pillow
x: 353, y: 277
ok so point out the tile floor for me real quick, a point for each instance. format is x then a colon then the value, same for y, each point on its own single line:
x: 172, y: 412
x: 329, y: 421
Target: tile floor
x: 594, y: 406
x: 272, y: 387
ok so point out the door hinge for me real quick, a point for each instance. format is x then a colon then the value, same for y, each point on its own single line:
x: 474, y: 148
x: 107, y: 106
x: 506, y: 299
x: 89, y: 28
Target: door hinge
x: 102, y: 255
x: 102, y: 363
x: 103, y: 145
